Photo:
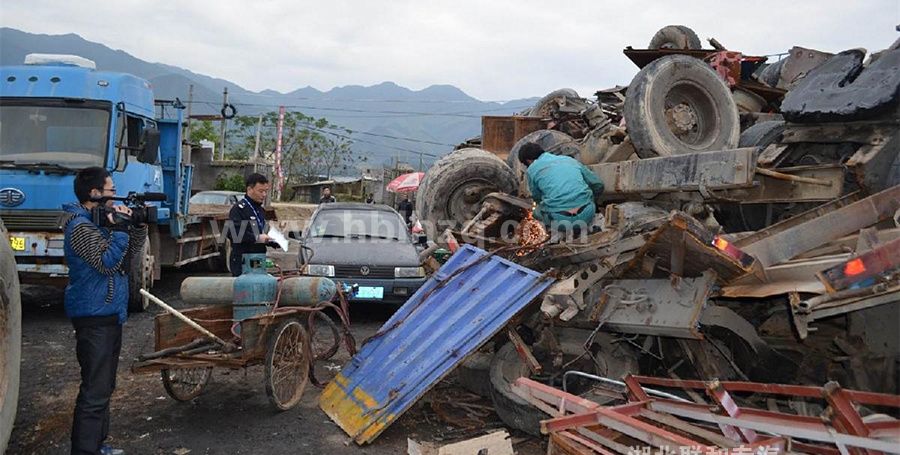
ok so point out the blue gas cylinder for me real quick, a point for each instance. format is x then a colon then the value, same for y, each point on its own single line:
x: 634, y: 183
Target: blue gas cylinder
x: 254, y: 290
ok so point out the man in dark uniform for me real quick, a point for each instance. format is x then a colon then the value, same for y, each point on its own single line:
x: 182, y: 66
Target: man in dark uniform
x: 247, y: 222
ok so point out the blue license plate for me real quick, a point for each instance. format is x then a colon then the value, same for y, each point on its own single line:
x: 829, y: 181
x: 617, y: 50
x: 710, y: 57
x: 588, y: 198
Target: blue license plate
x: 370, y: 292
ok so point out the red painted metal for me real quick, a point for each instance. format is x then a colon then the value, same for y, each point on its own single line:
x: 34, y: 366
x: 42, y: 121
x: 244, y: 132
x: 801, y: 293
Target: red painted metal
x: 844, y: 417
x: 729, y: 407
x: 599, y: 426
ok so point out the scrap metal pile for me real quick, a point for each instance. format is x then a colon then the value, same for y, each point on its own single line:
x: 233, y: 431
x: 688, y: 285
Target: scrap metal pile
x: 749, y: 231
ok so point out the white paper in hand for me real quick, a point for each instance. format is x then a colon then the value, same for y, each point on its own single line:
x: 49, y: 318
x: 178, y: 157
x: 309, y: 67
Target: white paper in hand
x: 276, y: 236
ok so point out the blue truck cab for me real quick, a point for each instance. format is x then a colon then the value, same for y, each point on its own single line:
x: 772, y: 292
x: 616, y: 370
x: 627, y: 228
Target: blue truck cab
x: 58, y: 114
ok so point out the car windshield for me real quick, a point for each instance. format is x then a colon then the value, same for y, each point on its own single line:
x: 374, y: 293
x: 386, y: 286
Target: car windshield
x: 74, y: 137
x: 212, y: 198
x: 351, y: 223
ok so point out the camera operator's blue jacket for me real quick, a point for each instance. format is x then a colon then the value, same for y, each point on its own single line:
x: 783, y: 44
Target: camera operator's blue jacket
x: 97, y: 256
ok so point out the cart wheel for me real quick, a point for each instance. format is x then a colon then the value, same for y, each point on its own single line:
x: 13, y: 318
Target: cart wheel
x: 185, y: 384
x: 287, y: 364
x: 326, y: 340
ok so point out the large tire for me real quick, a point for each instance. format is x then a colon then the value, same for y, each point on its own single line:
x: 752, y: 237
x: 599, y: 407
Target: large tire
x: 140, y: 276
x: 675, y: 37
x: 614, y: 360
x: 771, y: 74
x: 452, y: 190
x: 678, y: 104
x: 10, y: 338
x: 515, y: 412
x: 543, y: 106
x: 555, y: 142
x: 762, y: 135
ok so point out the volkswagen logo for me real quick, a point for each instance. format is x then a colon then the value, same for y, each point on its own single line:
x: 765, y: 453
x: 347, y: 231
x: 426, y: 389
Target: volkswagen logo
x: 11, y: 197
x: 364, y: 270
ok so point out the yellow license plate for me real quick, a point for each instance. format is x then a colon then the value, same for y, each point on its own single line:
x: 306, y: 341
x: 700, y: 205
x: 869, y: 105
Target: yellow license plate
x: 17, y: 243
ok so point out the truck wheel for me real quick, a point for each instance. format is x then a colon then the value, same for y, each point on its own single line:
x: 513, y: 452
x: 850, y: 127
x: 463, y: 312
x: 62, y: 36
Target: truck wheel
x: 543, y: 107
x: 10, y: 338
x: 555, y: 142
x: 515, y: 412
x: 675, y: 37
x: 614, y: 360
x: 762, y: 135
x: 771, y: 74
x: 452, y: 190
x: 474, y: 373
x: 678, y: 104
x: 140, y: 276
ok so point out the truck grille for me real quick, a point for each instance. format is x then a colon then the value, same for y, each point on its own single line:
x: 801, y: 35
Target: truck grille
x: 353, y: 271
x: 32, y: 220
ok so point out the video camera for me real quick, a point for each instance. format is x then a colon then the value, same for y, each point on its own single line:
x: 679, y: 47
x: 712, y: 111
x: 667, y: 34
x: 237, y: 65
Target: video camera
x: 141, y: 213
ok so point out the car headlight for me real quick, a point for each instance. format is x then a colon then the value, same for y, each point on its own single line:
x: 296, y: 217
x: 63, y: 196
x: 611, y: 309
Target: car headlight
x: 409, y: 272
x: 320, y: 270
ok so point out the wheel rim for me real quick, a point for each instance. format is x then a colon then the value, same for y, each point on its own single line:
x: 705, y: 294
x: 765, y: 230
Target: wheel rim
x: 289, y: 365
x: 186, y: 383
x: 465, y: 199
x: 690, y: 114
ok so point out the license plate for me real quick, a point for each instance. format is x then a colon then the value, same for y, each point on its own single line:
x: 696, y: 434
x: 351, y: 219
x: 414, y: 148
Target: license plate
x: 17, y: 243
x: 369, y: 292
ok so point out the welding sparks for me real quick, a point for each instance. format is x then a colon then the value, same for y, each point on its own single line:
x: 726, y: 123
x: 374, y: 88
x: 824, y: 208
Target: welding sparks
x: 530, y: 233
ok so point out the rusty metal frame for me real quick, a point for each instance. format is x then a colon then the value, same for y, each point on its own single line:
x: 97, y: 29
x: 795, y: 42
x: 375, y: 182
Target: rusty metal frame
x: 780, y: 245
x: 844, y: 431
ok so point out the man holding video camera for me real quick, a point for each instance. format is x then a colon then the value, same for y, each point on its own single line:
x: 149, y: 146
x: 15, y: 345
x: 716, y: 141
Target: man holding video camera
x: 100, y: 239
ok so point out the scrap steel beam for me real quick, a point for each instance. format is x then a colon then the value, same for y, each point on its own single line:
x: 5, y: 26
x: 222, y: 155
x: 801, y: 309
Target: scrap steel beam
x: 803, y: 237
x: 702, y: 172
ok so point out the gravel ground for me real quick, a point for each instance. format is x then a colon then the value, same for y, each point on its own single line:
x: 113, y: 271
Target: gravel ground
x: 233, y: 415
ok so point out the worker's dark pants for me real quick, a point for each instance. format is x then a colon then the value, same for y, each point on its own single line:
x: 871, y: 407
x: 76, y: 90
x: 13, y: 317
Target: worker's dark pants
x: 97, y: 345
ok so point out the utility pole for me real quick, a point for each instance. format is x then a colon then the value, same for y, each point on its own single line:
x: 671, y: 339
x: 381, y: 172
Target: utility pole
x: 222, y: 145
x: 256, y: 145
x: 420, y: 162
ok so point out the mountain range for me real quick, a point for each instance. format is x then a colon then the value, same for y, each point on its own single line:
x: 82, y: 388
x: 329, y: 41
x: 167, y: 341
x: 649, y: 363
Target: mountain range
x: 388, y: 121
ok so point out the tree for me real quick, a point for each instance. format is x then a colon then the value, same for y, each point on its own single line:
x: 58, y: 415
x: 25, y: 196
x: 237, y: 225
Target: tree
x: 204, y: 131
x: 310, y: 146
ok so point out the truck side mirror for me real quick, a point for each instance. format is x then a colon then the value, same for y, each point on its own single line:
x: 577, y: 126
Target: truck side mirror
x: 149, y: 146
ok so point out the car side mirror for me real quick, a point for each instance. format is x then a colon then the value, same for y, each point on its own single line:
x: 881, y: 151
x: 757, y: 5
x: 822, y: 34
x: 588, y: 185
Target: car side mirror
x: 149, y: 146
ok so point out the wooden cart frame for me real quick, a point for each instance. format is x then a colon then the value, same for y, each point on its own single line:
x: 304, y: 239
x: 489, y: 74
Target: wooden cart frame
x: 279, y: 341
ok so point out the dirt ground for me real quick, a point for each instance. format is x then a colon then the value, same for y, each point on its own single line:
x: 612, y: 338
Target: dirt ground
x: 233, y: 415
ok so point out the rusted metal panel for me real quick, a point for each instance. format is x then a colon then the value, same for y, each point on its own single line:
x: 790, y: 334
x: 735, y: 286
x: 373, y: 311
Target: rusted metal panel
x: 703, y: 251
x: 798, y: 184
x: 464, y: 304
x: 690, y: 172
x: 803, y: 237
x: 660, y: 307
x: 500, y: 133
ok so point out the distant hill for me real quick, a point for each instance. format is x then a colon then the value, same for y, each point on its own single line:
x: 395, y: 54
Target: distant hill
x: 440, y: 113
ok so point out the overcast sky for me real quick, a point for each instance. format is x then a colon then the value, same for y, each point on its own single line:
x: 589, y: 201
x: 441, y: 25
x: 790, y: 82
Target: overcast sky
x: 492, y: 50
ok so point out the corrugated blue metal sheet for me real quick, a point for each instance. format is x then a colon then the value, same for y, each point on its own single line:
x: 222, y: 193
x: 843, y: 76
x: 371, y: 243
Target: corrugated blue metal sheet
x: 432, y: 333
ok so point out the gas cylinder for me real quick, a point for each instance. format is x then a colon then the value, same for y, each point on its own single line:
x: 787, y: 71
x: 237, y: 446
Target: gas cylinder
x: 254, y: 290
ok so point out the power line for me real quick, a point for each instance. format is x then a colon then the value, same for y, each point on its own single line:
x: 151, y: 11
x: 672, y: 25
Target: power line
x: 463, y: 114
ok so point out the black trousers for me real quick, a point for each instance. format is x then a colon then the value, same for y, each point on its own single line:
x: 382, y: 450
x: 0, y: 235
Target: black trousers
x: 97, y: 345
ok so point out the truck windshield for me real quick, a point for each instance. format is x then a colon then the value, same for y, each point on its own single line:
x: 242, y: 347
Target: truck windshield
x: 54, y: 134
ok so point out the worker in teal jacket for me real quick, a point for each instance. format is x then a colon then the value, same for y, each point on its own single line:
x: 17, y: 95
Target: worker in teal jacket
x: 563, y: 188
